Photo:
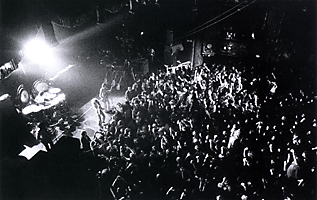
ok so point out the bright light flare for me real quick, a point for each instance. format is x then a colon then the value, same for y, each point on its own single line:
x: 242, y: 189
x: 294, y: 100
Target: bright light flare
x: 38, y: 51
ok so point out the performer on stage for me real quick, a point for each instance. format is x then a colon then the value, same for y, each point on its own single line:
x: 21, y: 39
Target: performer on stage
x: 100, y: 111
x: 104, y: 93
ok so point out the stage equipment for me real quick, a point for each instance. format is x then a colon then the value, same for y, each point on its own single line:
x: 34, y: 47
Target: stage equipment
x: 23, y: 95
x: 40, y: 86
x: 7, y: 69
x: 45, y: 100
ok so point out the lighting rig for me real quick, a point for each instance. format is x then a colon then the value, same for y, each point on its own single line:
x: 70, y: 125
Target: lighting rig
x: 35, y: 50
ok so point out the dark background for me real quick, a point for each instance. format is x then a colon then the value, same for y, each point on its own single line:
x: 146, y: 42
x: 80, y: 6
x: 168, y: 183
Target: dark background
x: 285, y: 38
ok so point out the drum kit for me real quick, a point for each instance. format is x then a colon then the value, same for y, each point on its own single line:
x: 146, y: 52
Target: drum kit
x: 42, y: 101
x: 23, y: 94
x: 45, y: 103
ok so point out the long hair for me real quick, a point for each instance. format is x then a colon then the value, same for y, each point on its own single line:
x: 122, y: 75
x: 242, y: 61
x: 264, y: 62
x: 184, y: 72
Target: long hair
x: 96, y: 103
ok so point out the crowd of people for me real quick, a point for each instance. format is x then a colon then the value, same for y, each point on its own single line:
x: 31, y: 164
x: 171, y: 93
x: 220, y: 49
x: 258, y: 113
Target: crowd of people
x: 209, y: 132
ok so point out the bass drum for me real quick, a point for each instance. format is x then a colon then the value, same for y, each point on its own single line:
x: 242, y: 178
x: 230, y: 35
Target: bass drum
x: 40, y: 86
x: 23, y: 95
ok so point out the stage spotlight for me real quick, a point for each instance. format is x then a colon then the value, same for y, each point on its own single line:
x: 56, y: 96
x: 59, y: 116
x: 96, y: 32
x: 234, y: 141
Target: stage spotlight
x: 38, y: 51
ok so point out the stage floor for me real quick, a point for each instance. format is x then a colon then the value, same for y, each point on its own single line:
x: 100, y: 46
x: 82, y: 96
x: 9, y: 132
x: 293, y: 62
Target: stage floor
x: 89, y: 118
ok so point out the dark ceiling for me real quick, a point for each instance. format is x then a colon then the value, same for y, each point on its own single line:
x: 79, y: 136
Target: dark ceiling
x: 292, y: 21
